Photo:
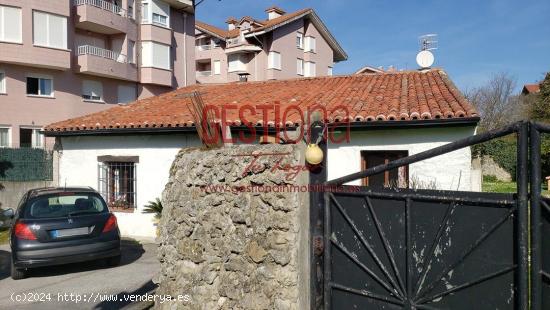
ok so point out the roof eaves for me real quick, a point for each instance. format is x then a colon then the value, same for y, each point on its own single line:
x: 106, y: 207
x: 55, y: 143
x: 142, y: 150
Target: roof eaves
x: 341, y: 55
x: 210, y: 32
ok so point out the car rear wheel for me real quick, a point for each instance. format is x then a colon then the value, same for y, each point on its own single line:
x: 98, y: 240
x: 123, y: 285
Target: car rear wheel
x: 113, y: 261
x: 17, y: 273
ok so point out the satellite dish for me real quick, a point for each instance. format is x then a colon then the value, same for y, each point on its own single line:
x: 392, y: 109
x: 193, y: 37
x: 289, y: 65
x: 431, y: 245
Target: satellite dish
x: 425, y: 59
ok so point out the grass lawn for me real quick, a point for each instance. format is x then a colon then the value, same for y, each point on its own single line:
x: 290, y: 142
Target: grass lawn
x: 3, y: 235
x: 506, y: 187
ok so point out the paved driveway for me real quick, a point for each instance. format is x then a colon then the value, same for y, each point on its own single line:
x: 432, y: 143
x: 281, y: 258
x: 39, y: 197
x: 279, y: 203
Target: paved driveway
x: 91, y: 281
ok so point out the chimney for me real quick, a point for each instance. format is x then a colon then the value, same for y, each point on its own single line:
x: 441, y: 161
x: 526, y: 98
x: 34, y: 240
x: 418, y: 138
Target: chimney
x: 231, y: 23
x: 274, y: 12
x: 243, y: 77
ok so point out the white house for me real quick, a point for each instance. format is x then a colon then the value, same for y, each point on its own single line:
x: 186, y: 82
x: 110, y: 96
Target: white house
x: 126, y: 152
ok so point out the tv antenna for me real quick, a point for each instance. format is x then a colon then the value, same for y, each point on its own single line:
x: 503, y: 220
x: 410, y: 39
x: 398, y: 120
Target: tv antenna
x: 425, y: 58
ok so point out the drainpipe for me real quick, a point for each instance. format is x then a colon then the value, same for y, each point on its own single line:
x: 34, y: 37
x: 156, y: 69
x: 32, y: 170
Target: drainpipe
x: 185, y: 49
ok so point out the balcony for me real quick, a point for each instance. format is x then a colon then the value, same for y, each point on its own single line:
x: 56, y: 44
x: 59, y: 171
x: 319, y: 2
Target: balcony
x: 204, y: 73
x: 237, y: 45
x: 101, y: 62
x: 157, y: 33
x: 186, y: 5
x: 35, y: 56
x: 156, y: 76
x: 103, y: 17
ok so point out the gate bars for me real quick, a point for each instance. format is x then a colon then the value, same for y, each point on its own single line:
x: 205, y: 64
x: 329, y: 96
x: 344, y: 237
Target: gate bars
x: 528, y: 137
x: 538, y: 274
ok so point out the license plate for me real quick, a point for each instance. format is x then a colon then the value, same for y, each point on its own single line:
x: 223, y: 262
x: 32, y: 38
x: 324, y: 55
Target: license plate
x: 60, y: 233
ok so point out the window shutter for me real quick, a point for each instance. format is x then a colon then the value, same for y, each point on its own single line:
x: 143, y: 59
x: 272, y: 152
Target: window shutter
x: 49, y: 30
x: 126, y: 94
x: 2, y: 82
x: 300, y: 66
x: 10, y: 24
x: 94, y: 89
x: 40, y: 27
x: 57, y: 31
x: 161, y: 56
x: 147, y: 54
x: 131, y: 51
x: 217, y: 67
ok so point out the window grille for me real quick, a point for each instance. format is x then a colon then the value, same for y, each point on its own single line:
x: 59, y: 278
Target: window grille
x: 117, y: 184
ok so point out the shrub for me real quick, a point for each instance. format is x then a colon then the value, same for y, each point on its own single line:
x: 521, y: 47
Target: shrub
x: 490, y: 178
x: 503, y: 151
x: 154, y: 207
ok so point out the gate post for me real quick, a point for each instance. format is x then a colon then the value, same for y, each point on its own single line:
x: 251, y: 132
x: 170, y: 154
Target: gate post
x: 536, y: 244
x: 522, y: 218
x: 317, y: 178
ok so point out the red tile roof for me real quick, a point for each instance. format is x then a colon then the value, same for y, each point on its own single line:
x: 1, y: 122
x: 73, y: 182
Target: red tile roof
x: 531, y: 88
x: 395, y: 96
x: 222, y: 33
x: 261, y: 26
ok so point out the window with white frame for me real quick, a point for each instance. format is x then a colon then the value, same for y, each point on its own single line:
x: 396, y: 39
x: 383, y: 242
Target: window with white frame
x: 131, y: 51
x: 131, y: 12
x: 5, y: 137
x: 37, y: 138
x: 300, y: 40
x: 309, y: 69
x: 40, y: 86
x: 92, y: 90
x: 235, y: 63
x: 126, y: 93
x: 217, y: 67
x: 31, y: 137
x: 2, y: 82
x: 49, y: 30
x: 329, y: 71
x: 145, y: 12
x: 274, y: 60
x: 310, y: 44
x: 10, y: 24
x: 160, y: 19
x: 155, y: 55
x: 300, y: 66
x: 156, y: 12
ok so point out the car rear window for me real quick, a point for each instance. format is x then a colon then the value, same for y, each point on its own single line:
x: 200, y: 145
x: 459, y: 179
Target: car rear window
x: 64, y: 205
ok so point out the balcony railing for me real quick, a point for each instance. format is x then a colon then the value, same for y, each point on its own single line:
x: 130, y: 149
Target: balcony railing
x: 204, y: 47
x: 104, y: 5
x: 101, y: 52
x: 204, y: 73
x: 233, y: 41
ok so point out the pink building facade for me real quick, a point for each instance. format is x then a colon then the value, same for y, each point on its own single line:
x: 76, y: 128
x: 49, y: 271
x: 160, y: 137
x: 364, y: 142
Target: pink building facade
x: 62, y: 59
x: 283, y: 46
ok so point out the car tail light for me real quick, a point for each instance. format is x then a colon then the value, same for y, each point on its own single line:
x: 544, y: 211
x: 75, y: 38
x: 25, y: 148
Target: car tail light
x: 110, y: 224
x: 23, y: 231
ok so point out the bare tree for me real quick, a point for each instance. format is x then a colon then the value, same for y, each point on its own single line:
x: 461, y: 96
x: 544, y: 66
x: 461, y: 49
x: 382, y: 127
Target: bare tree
x: 496, y: 102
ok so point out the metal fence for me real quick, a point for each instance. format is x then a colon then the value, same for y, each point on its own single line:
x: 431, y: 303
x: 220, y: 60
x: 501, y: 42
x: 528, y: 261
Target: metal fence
x: 26, y: 164
x: 101, y: 52
x: 104, y: 5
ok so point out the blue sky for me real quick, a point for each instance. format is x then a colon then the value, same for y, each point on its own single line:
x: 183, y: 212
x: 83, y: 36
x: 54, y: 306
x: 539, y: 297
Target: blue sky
x: 476, y: 38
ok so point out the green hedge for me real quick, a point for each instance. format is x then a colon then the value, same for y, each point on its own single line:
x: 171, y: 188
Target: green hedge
x: 26, y: 164
x: 503, y: 152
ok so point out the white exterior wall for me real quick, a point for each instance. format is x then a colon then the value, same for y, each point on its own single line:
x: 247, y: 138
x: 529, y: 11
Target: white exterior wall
x: 450, y: 171
x: 78, y: 166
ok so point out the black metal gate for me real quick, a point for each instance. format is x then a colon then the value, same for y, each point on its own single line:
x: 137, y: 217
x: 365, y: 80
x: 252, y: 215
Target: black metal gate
x: 540, y: 226
x: 432, y: 249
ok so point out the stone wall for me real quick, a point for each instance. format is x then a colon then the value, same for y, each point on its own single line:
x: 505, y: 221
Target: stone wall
x: 235, y: 250
x: 489, y: 167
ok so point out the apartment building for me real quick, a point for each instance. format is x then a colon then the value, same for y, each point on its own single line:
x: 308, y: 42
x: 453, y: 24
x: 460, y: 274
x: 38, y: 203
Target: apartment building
x: 62, y: 59
x: 282, y: 46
